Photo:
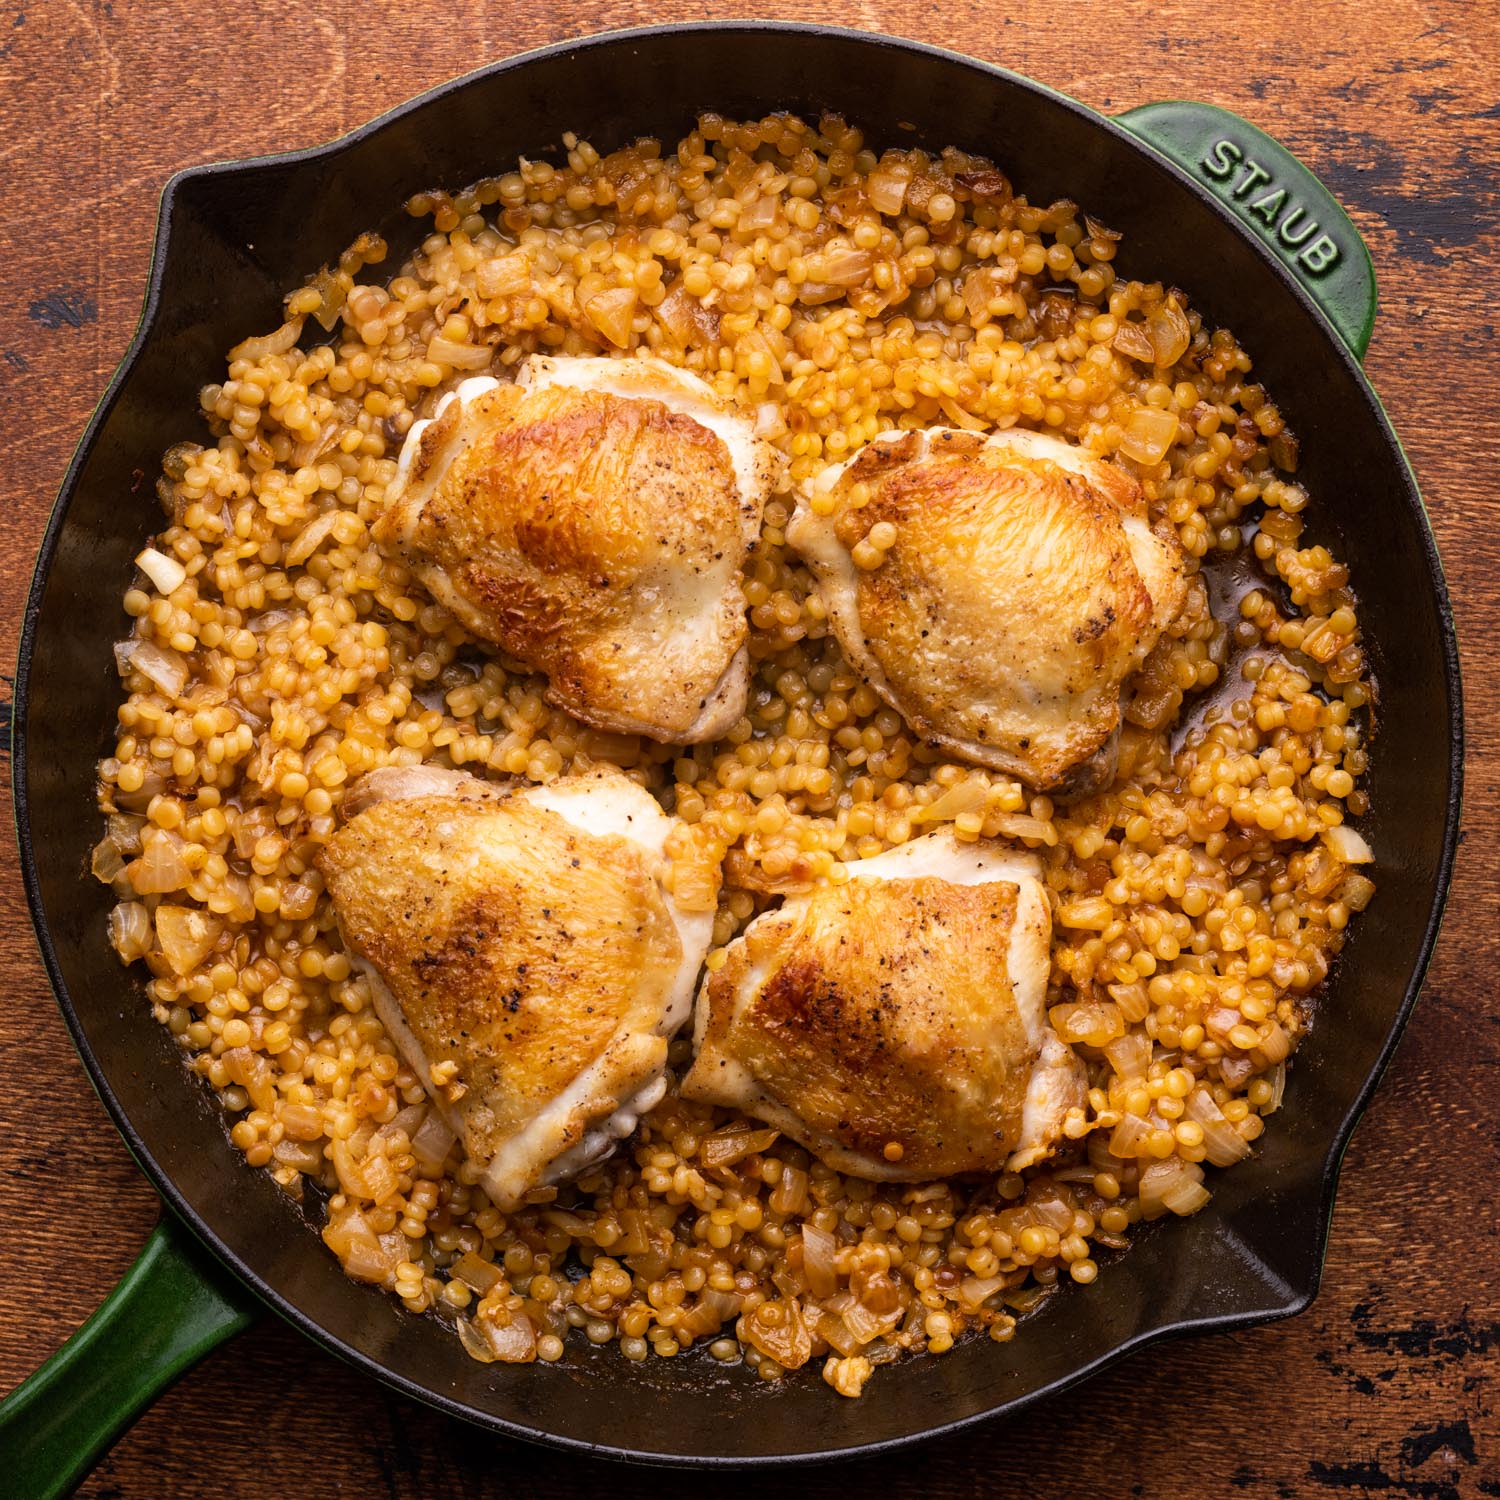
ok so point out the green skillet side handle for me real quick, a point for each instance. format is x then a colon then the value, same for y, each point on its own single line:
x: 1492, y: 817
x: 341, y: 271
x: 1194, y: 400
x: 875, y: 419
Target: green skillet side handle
x: 169, y: 1309
x: 1272, y: 193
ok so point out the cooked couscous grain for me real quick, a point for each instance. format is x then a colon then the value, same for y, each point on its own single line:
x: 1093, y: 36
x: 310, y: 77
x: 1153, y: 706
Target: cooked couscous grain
x: 833, y: 292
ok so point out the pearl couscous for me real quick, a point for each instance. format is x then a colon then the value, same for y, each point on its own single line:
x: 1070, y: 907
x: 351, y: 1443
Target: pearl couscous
x: 832, y: 291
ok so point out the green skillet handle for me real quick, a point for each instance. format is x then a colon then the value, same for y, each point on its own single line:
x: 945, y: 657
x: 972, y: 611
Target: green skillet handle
x: 169, y: 1309
x: 1276, y: 196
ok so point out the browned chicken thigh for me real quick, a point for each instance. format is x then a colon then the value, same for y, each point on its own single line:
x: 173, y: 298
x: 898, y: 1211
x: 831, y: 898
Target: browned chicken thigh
x: 523, y: 955
x: 997, y: 592
x: 593, y: 520
x: 895, y: 1025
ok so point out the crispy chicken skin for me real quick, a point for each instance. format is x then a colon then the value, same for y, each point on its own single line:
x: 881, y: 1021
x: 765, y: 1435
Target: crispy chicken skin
x: 895, y: 1025
x: 523, y: 955
x: 592, y: 520
x: 1025, y: 585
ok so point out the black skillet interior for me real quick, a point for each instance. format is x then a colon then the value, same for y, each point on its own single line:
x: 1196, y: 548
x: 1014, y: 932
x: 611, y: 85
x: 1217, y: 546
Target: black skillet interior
x: 240, y: 237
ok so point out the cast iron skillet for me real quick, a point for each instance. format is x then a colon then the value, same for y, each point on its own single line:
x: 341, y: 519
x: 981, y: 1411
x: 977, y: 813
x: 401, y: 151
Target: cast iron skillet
x: 1207, y: 202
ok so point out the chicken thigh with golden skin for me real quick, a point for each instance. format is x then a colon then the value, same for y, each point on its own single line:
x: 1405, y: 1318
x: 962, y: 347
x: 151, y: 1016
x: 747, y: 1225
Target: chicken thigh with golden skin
x: 592, y: 519
x: 895, y: 1025
x: 523, y: 954
x: 1021, y: 585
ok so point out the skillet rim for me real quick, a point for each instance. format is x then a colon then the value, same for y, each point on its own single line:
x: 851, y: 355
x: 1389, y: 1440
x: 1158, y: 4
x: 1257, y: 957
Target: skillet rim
x: 1300, y: 1296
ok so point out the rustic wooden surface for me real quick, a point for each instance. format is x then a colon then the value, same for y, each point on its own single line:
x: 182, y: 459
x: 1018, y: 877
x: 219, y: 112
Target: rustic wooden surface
x: 1389, y: 1384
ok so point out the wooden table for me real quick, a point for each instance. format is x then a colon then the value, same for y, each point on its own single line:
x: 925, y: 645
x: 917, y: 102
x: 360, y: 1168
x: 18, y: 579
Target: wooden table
x: 1389, y: 1384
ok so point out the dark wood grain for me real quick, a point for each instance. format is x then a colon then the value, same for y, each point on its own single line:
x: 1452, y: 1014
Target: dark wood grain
x: 1389, y: 1385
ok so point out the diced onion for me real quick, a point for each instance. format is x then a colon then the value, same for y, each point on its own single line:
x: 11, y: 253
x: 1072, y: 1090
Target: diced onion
x: 769, y: 422
x: 348, y: 1234
x: 1277, y: 1079
x: 130, y: 931
x: 634, y: 1239
x: 653, y: 1263
x: 165, y: 572
x: 1220, y: 1021
x: 1323, y: 872
x: 333, y: 288
x: 268, y: 344
x: 816, y: 293
x: 298, y: 901
x: 1020, y: 826
x: 432, y: 1142
x: 1091, y: 914
x: 755, y: 344
x: 1172, y: 1185
x: 474, y: 1271
x: 834, y: 1331
x: 1132, y: 340
x: 788, y: 1342
x: 505, y: 276
x: 107, y: 863
x: 1088, y: 1021
x: 1134, y: 1002
x: 1129, y: 1135
x: 380, y: 1177
x: 759, y: 213
x: 513, y: 1344
x: 1149, y: 433
x: 178, y: 459
x: 160, y: 868
x: 1235, y: 1070
x: 863, y: 1322
x: 254, y: 824
x: 1167, y: 327
x: 565, y: 1219
x: 723, y: 1305
x: 251, y: 1070
x: 789, y: 1196
x: 841, y: 268
x: 1275, y: 1045
x: 686, y: 319
x: 613, y: 313
x: 722, y: 1148
x: 982, y: 286
x: 351, y: 1178
x: 1130, y: 1055
x: 886, y: 189
x: 969, y: 795
x: 459, y: 356
x: 403, y: 1122
x: 310, y: 450
x: 166, y: 668
x: 699, y: 1320
x: 973, y: 1290
x: 818, y: 1250
x: 1024, y: 1298
x: 1357, y: 892
x: 301, y: 1157
x: 125, y: 832
x: 1054, y: 1211
x: 367, y: 1260
x: 311, y: 537
x: 960, y: 418
x: 234, y: 898
x: 985, y: 183
x: 1185, y: 1197
x: 1348, y: 844
x: 1222, y: 1143
x: 303, y: 1122
x: 187, y: 936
